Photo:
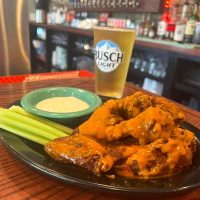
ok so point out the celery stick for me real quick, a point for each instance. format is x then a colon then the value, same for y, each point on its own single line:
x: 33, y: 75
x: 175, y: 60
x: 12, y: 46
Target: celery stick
x: 60, y: 127
x: 32, y: 123
x: 22, y: 126
x: 22, y: 133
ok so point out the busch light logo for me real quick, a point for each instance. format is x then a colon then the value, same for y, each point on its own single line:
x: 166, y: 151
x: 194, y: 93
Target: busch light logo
x: 108, y: 55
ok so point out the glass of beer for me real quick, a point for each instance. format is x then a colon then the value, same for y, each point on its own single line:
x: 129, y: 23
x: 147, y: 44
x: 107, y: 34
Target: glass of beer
x: 112, y: 53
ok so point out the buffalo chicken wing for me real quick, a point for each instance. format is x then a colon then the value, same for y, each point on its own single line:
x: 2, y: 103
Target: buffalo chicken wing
x: 135, y: 137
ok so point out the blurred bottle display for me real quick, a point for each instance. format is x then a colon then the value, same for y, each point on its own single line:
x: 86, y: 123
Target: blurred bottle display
x: 147, y: 25
x: 177, y: 23
x: 196, y: 37
x: 198, y: 9
x: 162, y: 25
x: 59, y: 58
x: 41, y: 11
x: 191, y: 24
x: 173, y: 12
x: 181, y: 24
x: 40, y: 49
x: 153, y: 86
x: 141, y: 26
x: 152, y: 30
x: 103, y: 19
x: 153, y: 64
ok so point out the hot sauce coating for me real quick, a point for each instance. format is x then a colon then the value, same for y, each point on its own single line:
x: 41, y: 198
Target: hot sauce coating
x: 138, y: 136
x: 142, y: 116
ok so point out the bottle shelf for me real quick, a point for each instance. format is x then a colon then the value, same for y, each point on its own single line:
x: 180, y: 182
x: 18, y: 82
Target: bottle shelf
x: 187, y: 88
x: 84, y: 52
x: 192, y: 83
x: 138, y: 73
x: 59, y: 44
x: 170, y: 51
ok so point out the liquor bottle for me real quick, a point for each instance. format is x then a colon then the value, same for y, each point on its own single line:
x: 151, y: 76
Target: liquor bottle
x: 141, y: 26
x: 191, y: 25
x: 196, y: 37
x: 152, y: 30
x: 198, y: 12
x: 172, y: 22
x: 94, y: 3
x: 162, y: 25
x: 181, y: 23
x: 147, y: 25
x: 103, y: 19
x: 78, y: 4
x: 89, y: 3
x: 98, y: 3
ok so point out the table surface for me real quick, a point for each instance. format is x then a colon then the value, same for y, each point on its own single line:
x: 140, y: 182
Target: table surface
x: 19, y: 181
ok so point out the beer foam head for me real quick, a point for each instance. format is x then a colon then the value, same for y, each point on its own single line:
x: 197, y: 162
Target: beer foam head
x: 108, y: 55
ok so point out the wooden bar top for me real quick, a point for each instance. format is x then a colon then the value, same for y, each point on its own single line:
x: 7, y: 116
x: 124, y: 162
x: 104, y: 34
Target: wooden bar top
x: 20, y: 182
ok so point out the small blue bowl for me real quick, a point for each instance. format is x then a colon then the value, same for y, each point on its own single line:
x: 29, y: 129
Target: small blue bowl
x: 71, y: 119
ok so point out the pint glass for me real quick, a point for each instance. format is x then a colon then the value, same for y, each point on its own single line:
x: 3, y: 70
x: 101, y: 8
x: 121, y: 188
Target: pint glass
x: 112, y: 53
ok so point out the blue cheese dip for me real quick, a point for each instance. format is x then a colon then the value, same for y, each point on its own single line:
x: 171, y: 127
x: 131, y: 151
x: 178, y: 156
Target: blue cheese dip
x: 62, y: 104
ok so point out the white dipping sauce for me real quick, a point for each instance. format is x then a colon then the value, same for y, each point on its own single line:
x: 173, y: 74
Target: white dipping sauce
x: 62, y: 105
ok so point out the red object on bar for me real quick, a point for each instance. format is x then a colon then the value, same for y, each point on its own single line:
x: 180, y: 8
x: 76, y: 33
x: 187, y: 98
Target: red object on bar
x: 167, y: 3
x: 45, y: 76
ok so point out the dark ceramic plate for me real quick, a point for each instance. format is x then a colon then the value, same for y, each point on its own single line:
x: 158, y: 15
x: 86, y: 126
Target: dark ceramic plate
x: 34, y: 155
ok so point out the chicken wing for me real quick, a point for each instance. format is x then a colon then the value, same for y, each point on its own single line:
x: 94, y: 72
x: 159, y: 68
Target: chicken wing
x: 141, y: 116
x: 96, y: 156
x: 163, y: 157
x: 146, y: 127
x: 82, y: 151
x: 136, y: 137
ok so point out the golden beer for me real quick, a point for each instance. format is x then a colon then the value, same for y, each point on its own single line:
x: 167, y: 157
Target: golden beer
x: 113, y: 50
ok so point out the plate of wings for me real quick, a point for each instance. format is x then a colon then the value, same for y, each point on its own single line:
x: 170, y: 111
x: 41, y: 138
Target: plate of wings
x: 139, y: 144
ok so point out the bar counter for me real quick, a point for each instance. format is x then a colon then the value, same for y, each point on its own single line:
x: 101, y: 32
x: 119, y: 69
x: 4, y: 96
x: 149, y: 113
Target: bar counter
x: 19, y: 181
